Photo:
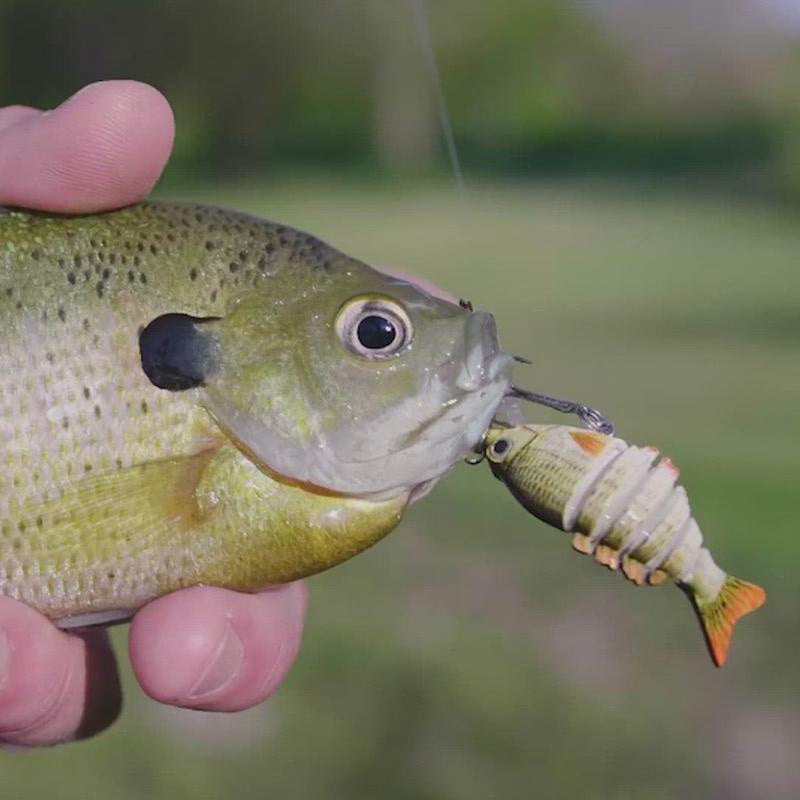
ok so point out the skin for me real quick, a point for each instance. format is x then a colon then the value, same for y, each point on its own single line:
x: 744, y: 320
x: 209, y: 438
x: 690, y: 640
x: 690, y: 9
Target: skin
x: 201, y: 648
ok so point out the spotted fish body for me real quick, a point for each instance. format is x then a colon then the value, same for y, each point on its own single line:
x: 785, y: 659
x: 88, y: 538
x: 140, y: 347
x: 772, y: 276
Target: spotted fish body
x: 622, y: 505
x: 177, y: 406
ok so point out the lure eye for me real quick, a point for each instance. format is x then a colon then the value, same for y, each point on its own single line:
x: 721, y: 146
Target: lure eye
x: 500, y: 446
x: 374, y: 328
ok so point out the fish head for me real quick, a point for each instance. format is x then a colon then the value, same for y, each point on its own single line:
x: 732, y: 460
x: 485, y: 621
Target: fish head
x: 358, y: 382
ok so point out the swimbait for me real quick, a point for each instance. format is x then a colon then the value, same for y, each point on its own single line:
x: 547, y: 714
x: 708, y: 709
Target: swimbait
x: 622, y: 506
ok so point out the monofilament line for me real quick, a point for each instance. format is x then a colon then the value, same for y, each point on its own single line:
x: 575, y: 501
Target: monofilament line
x: 420, y: 13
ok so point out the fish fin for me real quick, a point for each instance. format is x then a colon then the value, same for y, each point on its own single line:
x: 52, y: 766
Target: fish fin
x: 657, y: 576
x: 718, y: 616
x: 634, y: 570
x: 591, y: 443
x: 607, y: 556
x: 124, y: 510
x: 582, y: 544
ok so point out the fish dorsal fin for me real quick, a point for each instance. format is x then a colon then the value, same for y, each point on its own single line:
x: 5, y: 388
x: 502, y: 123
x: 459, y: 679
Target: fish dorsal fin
x: 591, y: 443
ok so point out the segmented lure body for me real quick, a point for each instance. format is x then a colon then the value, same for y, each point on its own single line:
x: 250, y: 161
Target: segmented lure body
x: 623, y: 506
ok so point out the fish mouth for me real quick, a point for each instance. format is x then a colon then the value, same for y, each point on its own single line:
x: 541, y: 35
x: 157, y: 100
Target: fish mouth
x: 480, y: 384
x: 463, y: 395
x: 484, y: 360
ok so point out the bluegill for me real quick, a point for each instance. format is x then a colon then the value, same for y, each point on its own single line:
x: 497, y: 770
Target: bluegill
x: 622, y: 505
x: 192, y: 396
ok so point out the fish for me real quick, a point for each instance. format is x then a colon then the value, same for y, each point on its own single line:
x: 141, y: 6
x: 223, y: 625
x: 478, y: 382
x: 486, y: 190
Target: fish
x: 195, y: 396
x: 623, y: 506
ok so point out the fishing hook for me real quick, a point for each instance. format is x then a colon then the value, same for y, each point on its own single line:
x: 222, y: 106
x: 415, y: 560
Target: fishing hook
x: 590, y: 417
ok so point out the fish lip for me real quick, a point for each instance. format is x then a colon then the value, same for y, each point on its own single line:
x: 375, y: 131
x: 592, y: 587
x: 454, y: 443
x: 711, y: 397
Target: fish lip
x: 457, y: 400
x: 484, y: 359
x: 483, y: 365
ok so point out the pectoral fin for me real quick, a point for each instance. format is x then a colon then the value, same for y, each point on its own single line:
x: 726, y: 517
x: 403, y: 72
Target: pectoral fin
x: 115, y: 515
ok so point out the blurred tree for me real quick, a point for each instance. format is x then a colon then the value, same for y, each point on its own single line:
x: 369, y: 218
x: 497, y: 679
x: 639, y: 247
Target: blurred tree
x: 405, y: 132
x: 555, y: 85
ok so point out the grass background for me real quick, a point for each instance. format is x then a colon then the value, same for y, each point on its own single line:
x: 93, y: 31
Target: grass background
x: 472, y: 654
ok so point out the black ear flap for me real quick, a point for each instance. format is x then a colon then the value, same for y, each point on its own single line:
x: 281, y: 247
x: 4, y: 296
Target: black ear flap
x: 176, y: 353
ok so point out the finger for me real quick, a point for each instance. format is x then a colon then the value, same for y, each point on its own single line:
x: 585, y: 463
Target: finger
x: 11, y: 115
x: 103, y: 148
x: 54, y: 686
x: 215, y: 649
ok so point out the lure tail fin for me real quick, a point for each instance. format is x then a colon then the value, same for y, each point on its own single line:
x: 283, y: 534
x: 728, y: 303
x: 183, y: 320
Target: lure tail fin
x: 718, y: 616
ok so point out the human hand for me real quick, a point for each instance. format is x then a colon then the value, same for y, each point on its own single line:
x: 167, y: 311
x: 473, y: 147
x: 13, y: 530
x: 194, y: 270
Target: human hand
x: 199, y: 648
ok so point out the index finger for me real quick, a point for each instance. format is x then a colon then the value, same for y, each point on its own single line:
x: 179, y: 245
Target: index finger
x: 103, y: 148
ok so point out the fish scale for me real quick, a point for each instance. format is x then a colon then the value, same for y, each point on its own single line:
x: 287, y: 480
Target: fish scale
x: 178, y: 405
x: 87, y: 403
x: 79, y: 401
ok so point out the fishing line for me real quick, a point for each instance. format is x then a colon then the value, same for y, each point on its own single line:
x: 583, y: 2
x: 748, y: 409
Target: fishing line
x: 590, y: 417
x: 419, y: 11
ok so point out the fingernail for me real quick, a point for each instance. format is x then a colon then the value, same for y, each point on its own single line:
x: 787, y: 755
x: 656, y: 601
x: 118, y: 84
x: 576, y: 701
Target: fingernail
x: 224, y: 667
x: 5, y: 659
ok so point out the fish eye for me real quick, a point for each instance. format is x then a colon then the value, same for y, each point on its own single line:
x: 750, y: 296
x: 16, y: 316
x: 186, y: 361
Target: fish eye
x: 374, y: 327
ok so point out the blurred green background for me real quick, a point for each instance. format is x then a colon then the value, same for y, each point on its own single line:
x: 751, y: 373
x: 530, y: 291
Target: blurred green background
x: 630, y: 215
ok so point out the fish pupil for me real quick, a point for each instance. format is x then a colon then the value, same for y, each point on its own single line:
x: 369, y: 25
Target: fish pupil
x: 375, y: 332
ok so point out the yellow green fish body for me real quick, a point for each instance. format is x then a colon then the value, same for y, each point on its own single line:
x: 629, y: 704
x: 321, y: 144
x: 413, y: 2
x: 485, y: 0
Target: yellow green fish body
x: 186, y: 398
x: 623, y: 506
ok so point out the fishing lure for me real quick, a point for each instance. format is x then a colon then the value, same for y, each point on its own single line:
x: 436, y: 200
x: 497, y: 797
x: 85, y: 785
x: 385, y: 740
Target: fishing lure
x: 622, y: 505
